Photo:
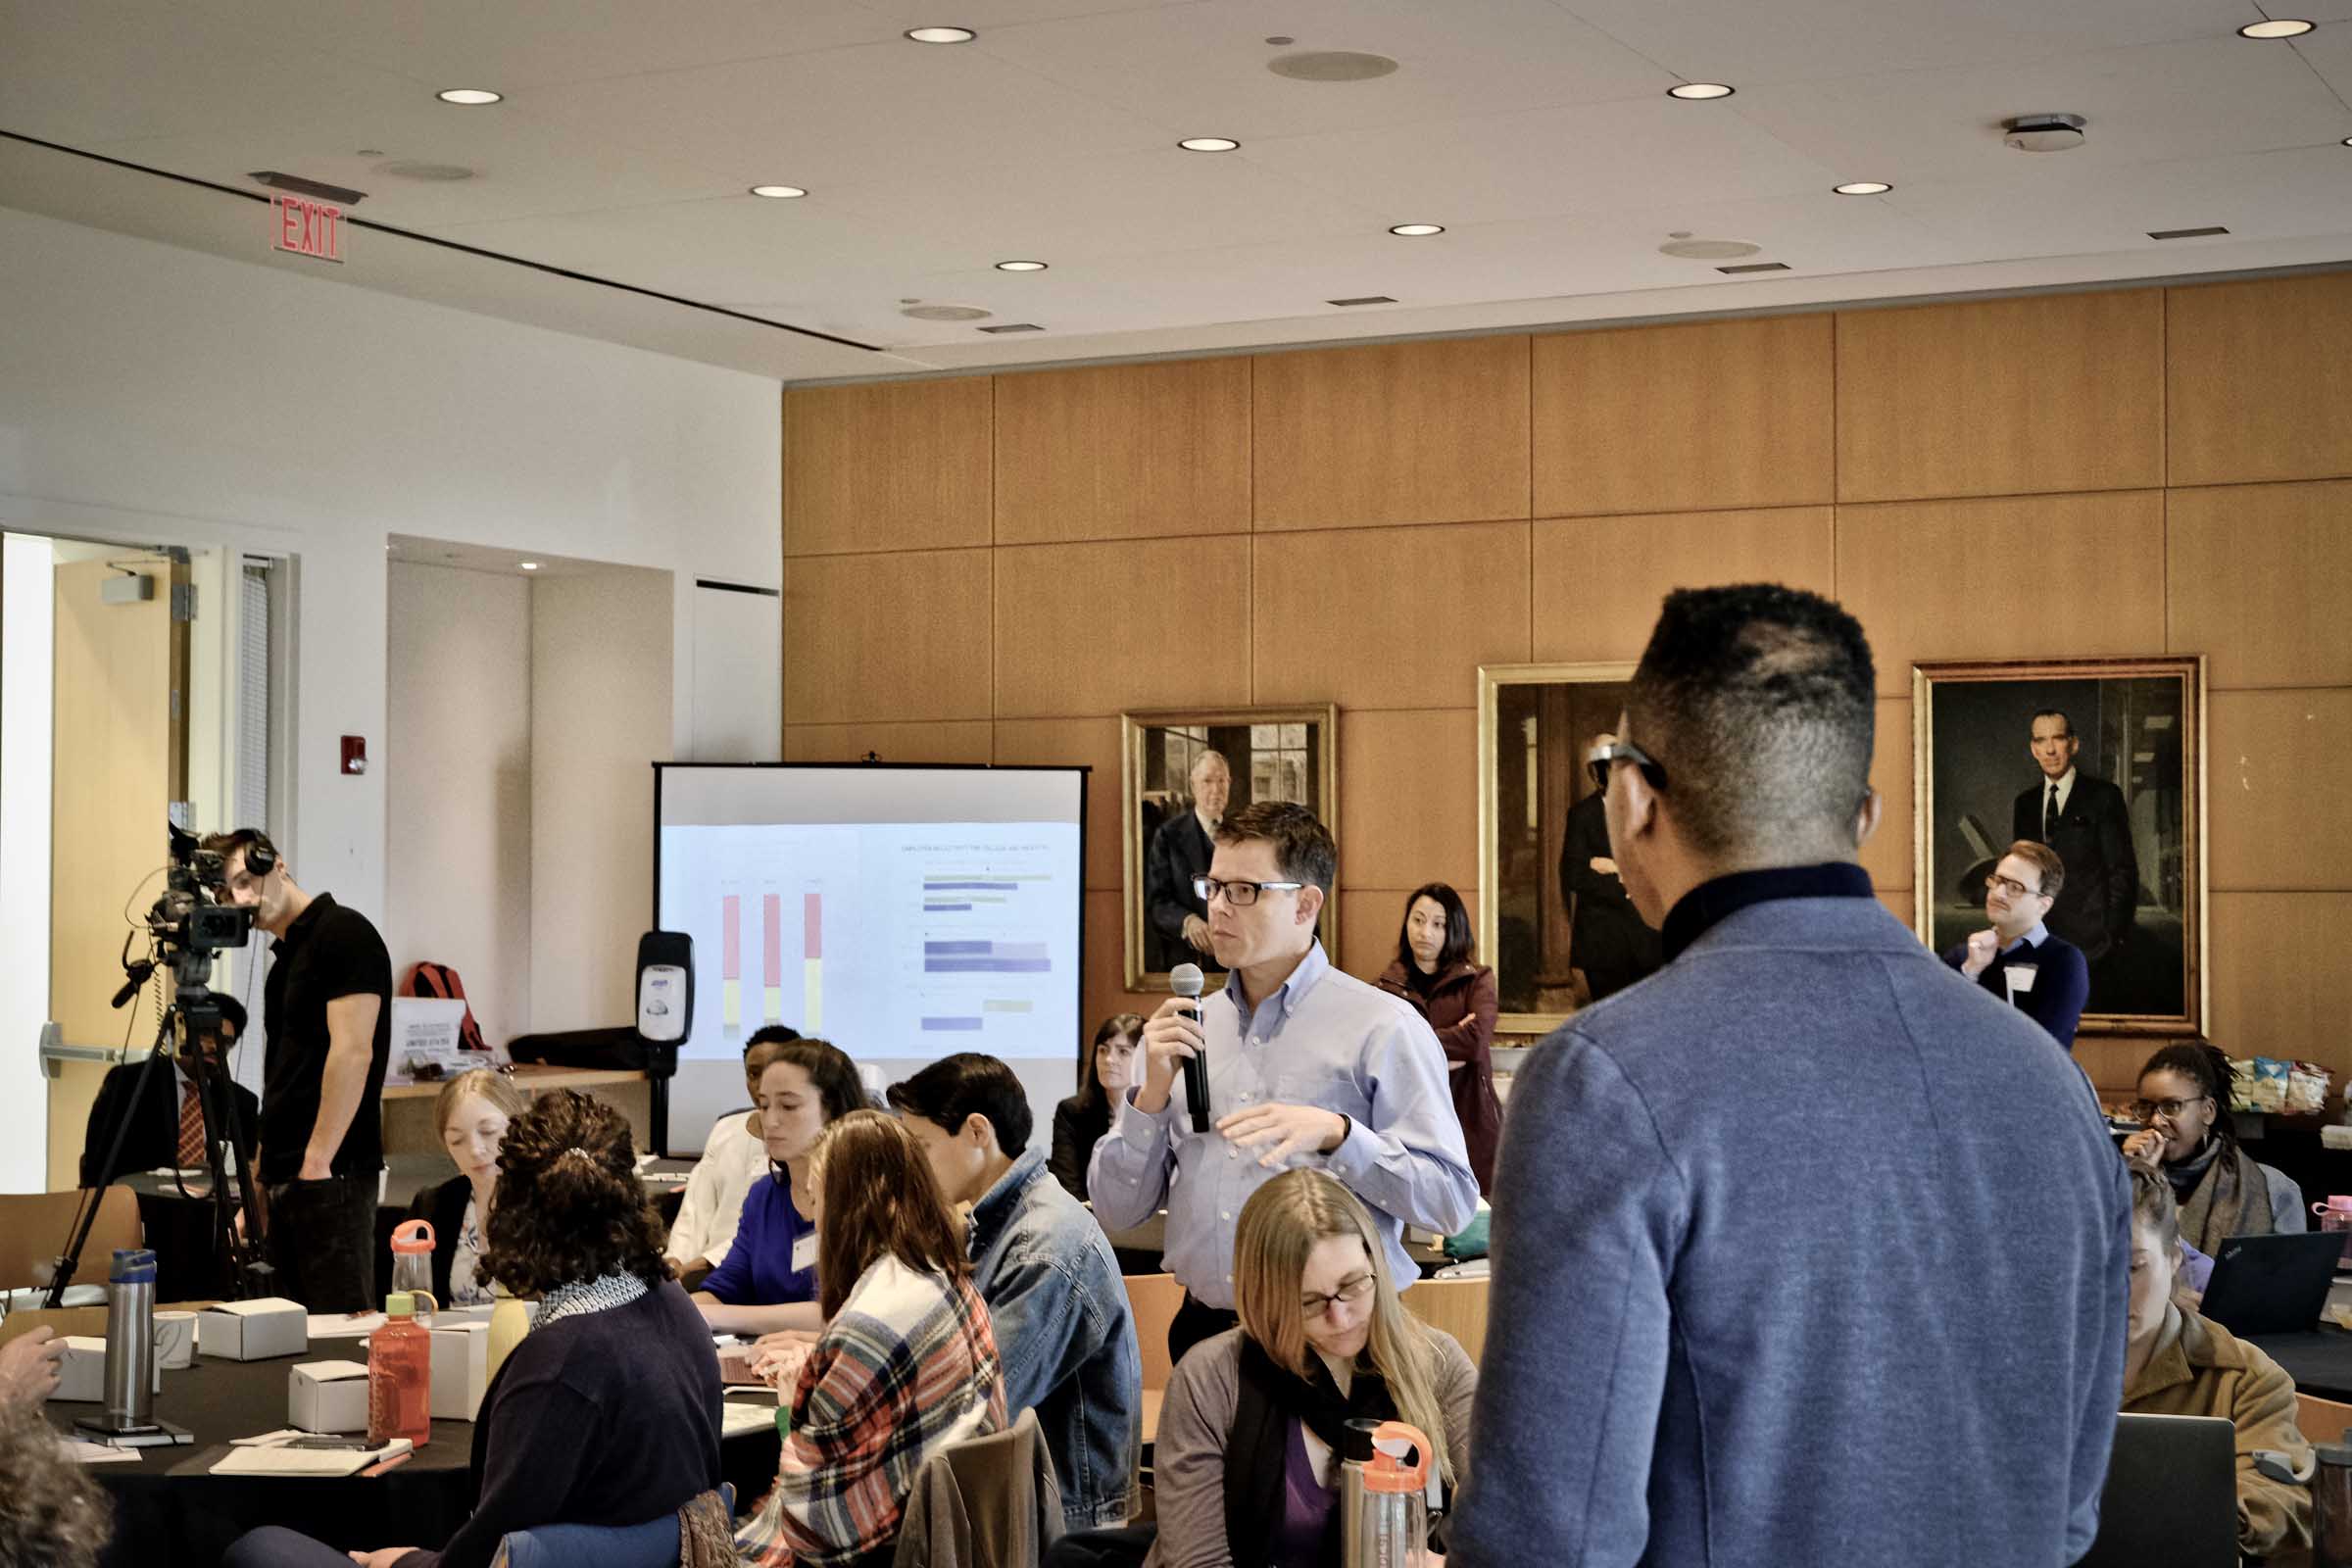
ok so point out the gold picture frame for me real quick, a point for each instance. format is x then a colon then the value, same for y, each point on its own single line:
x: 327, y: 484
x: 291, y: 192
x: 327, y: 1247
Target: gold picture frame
x: 1522, y: 916
x: 2139, y: 728
x: 1283, y: 752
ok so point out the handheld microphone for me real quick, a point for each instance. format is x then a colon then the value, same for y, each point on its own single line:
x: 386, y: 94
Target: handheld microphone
x: 1185, y: 980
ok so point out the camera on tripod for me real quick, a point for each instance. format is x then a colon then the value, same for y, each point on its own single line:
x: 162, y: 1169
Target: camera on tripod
x: 191, y: 922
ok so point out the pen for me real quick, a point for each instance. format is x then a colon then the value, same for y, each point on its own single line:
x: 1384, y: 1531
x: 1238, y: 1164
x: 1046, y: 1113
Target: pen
x: 379, y: 1469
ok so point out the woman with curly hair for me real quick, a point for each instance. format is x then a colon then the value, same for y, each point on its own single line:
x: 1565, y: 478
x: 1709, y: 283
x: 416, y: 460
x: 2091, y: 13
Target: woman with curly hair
x: 907, y: 1365
x: 52, y: 1514
x: 608, y: 1413
x: 2184, y: 1106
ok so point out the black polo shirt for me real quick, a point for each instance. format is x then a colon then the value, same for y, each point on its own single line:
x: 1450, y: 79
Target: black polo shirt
x: 329, y: 951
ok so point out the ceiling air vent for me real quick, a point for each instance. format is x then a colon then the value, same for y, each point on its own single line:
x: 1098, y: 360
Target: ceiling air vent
x: 340, y: 195
x: 1365, y: 299
x: 1015, y: 326
x: 1756, y: 266
x: 2185, y: 233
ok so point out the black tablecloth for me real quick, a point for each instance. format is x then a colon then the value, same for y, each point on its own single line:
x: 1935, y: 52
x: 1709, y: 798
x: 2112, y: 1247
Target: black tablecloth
x: 170, y: 1510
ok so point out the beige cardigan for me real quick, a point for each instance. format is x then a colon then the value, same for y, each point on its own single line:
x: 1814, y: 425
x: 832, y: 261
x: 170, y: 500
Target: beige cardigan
x: 2199, y: 1368
x: 1188, y: 1453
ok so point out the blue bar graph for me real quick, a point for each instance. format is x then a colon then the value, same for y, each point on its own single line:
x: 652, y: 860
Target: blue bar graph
x: 947, y: 1025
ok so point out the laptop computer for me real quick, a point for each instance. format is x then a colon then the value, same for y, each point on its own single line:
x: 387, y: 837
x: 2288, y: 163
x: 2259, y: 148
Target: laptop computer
x: 2172, y: 1494
x: 2271, y: 1284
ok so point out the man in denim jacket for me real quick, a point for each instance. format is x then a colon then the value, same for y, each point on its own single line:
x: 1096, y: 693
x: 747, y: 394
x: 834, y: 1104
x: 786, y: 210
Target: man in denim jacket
x: 1063, y: 1329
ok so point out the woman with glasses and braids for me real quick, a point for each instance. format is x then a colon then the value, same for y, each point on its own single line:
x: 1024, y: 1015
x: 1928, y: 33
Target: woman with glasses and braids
x: 2186, y: 1132
x: 1245, y: 1462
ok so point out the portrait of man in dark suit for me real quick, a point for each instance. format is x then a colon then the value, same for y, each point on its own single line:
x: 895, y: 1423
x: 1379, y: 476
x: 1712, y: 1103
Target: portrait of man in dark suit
x: 2085, y: 821
x: 1175, y: 918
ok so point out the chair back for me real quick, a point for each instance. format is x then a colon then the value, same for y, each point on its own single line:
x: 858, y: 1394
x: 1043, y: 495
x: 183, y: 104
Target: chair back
x: 2322, y: 1420
x: 651, y: 1544
x: 1458, y: 1307
x: 35, y: 1226
x: 1154, y: 1298
x: 1003, y: 1522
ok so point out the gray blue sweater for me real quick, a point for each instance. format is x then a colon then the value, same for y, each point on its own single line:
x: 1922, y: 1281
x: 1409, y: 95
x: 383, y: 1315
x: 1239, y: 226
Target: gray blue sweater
x: 1806, y: 1251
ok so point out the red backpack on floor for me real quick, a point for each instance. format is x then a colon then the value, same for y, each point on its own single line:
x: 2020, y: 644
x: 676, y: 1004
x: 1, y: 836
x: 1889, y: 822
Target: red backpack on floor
x: 440, y: 981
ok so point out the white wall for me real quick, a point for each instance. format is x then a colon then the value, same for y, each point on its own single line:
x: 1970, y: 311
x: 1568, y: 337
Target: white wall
x: 601, y: 715
x: 156, y: 396
x: 456, y: 760
x: 27, y: 614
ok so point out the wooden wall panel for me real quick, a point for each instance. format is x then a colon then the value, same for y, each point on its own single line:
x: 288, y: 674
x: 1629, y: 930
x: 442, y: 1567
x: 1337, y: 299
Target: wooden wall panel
x: 1076, y: 742
x: 1401, y: 432
x: 1888, y: 856
x: 2258, y: 378
x: 1409, y: 798
x: 2281, y: 987
x: 1104, y: 628
x: 1671, y: 419
x: 2018, y: 577
x: 2001, y: 397
x: 896, y: 466
x: 1388, y: 617
x: 1103, y: 991
x: 1599, y: 581
x: 964, y: 740
x: 896, y: 636
x: 1124, y: 451
x: 2280, y: 792
x: 2261, y: 577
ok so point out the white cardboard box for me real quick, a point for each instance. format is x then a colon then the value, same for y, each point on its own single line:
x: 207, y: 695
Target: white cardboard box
x: 461, y: 1369
x: 81, y: 1375
x: 327, y: 1397
x: 254, y: 1331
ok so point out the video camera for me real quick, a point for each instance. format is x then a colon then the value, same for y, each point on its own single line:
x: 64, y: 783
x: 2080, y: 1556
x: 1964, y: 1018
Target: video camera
x: 191, y: 922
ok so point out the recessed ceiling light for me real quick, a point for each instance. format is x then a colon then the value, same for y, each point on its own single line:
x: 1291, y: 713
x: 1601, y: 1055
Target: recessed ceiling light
x: 1708, y: 250
x: 1863, y: 187
x: 2280, y: 28
x: 1331, y: 64
x: 1698, y: 89
x: 1020, y: 266
x: 942, y: 34
x: 947, y: 313
x: 778, y: 193
x: 530, y: 565
x: 1417, y: 230
x: 1209, y: 144
x: 2348, y: 141
x: 469, y: 95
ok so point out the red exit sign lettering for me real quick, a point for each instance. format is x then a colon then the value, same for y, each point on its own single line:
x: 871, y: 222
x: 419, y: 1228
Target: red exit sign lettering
x: 306, y: 227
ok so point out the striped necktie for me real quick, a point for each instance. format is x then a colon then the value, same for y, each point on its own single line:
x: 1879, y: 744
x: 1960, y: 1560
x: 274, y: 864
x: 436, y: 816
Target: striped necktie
x: 192, y: 1128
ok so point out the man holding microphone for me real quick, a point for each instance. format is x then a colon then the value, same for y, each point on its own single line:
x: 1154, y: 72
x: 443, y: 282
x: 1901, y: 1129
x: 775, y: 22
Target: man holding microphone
x: 1304, y: 1066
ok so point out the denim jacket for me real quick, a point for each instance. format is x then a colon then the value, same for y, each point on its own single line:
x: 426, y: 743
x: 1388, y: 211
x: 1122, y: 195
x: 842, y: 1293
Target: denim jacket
x: 1064, y: 1333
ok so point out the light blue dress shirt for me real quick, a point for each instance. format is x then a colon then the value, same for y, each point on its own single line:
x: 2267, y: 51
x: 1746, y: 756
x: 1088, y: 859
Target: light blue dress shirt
x: 1324, y: 1038
x: 2036, y: 937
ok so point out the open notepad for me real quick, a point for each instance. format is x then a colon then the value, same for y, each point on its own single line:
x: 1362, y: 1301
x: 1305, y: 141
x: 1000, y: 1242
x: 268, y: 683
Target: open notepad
x: 275, y: 1459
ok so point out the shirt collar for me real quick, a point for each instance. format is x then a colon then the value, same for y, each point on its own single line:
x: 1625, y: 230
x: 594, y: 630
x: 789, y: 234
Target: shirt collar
x: 2032, y: 939
x: 1697, y: 912
x: 1302, y: 979
x: 2064, y: 783
x: 997, y: 1206
x: 309, y: 916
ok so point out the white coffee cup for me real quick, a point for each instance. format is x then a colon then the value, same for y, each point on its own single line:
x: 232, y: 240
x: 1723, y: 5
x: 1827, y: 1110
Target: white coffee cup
x: 174, y: 1340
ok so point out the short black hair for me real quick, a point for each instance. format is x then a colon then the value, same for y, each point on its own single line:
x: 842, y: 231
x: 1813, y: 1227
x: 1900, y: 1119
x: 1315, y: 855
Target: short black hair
x: 1457, y: 926
x: 769, y: 1034
x: 1304, y: 848
x: 1759, y: 703
x: 232, y: 1013
x: 2058, y: 713
x: 952, y: 1088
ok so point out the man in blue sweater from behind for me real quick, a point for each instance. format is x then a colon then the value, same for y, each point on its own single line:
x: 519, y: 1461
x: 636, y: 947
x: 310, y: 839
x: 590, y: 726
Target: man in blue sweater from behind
x: 1807, y: 1250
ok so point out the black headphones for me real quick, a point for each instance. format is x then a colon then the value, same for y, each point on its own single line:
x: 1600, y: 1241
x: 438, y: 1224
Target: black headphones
x: 261, y: 856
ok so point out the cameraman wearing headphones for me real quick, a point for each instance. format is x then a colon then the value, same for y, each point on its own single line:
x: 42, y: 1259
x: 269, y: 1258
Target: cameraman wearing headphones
x: 328, y: 1001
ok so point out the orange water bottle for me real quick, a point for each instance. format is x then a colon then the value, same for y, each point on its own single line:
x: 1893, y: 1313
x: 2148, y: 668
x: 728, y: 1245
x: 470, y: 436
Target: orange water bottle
x: 400, y: 1376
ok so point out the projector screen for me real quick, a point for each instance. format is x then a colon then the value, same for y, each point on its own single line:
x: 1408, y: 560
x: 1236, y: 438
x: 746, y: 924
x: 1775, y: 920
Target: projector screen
x: 903, y: 913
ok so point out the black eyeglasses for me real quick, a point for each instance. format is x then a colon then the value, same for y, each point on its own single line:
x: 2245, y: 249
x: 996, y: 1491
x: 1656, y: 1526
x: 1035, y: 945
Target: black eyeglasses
x: 1599, y: 760
x: 2017, y: 889
x: 1240, y: 895
x: 1315, y: 1303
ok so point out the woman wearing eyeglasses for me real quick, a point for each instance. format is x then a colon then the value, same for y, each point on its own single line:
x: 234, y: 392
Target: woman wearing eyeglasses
x: 1245, y: 1462
x: 1434, y: 973
x: 2184, y: 1106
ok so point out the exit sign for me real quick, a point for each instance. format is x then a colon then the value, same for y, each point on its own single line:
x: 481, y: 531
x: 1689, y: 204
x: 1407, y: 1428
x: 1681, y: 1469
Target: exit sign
x: 306, y: 227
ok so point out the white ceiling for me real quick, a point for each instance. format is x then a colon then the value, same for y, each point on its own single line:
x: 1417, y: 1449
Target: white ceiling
x: 1537, y: 131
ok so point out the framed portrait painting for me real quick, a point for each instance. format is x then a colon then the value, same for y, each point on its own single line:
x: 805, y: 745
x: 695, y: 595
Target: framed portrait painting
x: 1180, y: 774
x: 2101, y: 759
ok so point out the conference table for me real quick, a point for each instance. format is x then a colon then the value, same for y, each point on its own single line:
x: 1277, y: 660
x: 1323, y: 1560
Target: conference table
x: 170, y: 1510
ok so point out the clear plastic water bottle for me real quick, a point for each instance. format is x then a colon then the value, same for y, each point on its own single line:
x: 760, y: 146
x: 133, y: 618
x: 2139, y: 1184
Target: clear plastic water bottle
x: 413, y: 1267
x: 400, y: 1376
x: 1384, y: 1508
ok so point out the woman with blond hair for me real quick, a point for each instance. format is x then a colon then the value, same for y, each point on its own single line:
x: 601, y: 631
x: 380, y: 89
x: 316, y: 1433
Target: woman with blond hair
x: 472, y: 1112
x: 905, y: 1367
x: 1246, y: 1461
